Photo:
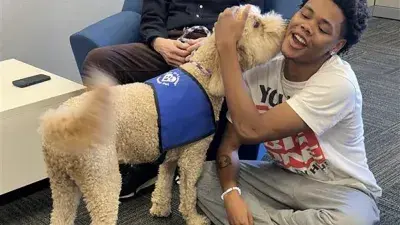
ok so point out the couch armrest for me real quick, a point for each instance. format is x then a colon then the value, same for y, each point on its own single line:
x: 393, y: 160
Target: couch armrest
x: 120, y: 28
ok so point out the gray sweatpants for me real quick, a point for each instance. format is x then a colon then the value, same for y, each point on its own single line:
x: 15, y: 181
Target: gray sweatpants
x: 276, y: 196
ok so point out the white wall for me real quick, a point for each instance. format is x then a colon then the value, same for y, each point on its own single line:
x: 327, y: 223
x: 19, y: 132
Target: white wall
x: 1, y: 29
x: 388, y: 3
x: 37, y: 31
x: 371, y: 2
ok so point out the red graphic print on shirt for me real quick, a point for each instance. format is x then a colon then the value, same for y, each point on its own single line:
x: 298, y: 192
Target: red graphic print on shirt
x: 300, y: 153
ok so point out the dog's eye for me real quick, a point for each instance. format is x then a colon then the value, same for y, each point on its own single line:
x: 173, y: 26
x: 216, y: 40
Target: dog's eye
x: 256, y: 24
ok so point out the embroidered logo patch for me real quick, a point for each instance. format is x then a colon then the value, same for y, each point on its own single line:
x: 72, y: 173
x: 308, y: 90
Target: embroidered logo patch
x: 185, y: 113
x: 171, y: 77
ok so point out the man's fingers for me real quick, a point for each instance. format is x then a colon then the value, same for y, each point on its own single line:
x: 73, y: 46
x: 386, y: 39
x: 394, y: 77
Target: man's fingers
x: 180, y: 52
x: 173, y: 59
x: 181, y: 45
x: 234, y: 10
x: 244, y: 222
x: 194, y: 47
x: 250, y: 218
x: 245, y: 13
x: 177, y: 58
x: 187, y: 59
x: 181, y: 49
x: 199, y: 40
x: 192, y: 41
x: 227, y: 10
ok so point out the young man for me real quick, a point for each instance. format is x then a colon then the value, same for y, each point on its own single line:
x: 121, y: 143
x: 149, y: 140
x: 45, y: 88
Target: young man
x: 162, y: 23
x: 305, y: 105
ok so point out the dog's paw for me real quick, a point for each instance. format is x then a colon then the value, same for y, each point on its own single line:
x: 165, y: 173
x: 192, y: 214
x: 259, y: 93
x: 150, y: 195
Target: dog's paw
x: 197, y: 220
x: 159, y: 210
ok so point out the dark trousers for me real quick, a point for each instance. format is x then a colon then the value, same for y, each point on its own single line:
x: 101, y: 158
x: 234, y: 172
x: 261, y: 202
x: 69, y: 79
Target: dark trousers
x: 138, y: 62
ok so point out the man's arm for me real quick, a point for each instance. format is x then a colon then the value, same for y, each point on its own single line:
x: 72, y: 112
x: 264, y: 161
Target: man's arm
x: 153, y: 23
x: 228, y: 168
x: 251, y: 126
x: 228, y: 159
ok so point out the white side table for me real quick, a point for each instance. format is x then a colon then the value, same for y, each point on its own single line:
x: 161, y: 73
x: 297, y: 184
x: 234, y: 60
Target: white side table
x: 21, y: 157
x: 387, y: 9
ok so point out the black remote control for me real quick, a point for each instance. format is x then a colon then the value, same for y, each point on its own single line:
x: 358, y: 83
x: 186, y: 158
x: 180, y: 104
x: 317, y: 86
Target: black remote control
x: 28, y: 81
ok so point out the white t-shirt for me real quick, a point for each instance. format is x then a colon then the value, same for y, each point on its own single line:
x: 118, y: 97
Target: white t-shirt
x: 330, y: 103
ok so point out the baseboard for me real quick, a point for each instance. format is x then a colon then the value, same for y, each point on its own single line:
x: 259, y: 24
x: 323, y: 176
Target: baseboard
x: 371, y: 9
x: 386, y: 12
x: 24, y: 191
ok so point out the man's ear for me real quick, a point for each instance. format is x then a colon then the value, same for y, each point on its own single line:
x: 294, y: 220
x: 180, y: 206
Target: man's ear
x: 216, y: 84
x: 339, y: 45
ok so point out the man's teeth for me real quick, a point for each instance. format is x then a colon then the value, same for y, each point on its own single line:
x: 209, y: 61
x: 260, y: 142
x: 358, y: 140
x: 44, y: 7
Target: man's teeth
x: 300, y: 39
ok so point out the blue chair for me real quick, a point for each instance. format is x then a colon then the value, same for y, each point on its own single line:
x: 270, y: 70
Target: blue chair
x: 123, y: 28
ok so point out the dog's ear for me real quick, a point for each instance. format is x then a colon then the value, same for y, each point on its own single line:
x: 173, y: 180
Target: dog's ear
x: 216, y: 84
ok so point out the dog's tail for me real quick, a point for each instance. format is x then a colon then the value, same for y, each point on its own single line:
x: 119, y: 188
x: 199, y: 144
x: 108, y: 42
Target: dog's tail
x: 74, y: 129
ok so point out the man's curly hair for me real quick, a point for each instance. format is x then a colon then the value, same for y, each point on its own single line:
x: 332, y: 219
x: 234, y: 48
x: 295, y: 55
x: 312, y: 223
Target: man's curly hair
x: 356, y: 14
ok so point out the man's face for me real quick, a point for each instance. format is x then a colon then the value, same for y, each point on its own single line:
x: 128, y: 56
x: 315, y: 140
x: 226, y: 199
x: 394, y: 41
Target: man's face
x: 314, y: 31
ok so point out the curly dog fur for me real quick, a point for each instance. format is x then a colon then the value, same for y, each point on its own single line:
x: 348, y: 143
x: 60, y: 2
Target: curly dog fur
x: 86, y: 138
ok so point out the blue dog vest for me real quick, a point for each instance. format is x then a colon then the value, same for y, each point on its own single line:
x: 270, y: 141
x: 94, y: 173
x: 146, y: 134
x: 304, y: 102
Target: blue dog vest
x: 185, y: 113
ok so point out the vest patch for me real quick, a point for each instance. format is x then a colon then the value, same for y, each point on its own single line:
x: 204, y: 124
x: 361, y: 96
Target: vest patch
x: 185, y: 113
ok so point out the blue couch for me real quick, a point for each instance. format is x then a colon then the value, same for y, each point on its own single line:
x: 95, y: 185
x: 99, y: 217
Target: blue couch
x: 123, y: 27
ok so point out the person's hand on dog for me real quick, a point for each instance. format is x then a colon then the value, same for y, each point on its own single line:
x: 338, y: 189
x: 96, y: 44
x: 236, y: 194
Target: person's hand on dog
x: 173, y: 51
x: 194, y: 44
x: 237, y: 210
x: 230, y: 26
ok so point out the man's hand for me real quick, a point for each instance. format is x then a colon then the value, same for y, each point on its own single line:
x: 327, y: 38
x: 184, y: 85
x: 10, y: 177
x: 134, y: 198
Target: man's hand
x: 230, y: 26
x: 237, y: 210
x: 173, y: 51
x: 194, y: 45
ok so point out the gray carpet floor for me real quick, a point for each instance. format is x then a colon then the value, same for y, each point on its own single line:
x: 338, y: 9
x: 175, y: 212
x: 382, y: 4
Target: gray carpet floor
x: 376, y: 61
